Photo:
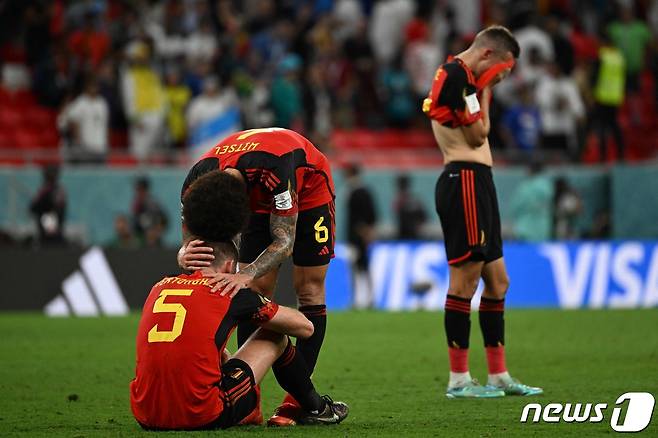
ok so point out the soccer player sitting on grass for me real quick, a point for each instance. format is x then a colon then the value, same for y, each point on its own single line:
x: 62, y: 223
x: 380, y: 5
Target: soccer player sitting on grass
x: 185, y: 379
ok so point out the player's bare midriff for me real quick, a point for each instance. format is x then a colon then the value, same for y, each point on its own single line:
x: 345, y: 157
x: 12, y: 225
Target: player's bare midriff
x: 454, y: 147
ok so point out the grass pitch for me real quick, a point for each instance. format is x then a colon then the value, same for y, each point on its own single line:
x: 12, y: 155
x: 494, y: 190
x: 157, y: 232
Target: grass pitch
x: 69, y: 377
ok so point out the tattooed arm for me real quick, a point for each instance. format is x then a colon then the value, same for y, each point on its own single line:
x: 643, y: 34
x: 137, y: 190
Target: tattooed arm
x: 283, y: 230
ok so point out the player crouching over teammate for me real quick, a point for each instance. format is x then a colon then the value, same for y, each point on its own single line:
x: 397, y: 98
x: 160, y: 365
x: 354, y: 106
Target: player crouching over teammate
x: 184, y: 377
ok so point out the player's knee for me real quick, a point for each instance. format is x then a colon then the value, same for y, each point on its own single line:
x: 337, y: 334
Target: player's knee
x: 465, y: 288
x: 310, y: 292
x: 500, y: 287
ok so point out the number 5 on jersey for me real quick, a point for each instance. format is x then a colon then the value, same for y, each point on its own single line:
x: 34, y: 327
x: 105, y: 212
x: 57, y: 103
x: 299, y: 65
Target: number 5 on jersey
x: 160, y: 306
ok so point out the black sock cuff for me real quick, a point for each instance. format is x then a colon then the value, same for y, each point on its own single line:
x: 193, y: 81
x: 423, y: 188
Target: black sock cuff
x: 286, y: 357
x: 491, y: 300
x: 314, y: 310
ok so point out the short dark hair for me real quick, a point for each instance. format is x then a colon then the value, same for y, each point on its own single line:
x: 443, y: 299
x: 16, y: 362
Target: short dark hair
x: 223, y: 251
x: 216, y: 207
x: 500, y: 37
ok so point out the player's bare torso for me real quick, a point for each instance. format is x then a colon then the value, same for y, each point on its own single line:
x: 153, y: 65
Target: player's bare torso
x: 454, y: 147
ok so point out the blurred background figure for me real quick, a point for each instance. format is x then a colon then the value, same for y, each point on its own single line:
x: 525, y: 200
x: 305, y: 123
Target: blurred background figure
x: 361, y: 232
x: 561, y: 110
x: 123, y: 234
x: 143, y: 100
x: 286, y: 94
x: 84, y: 123
x: 567, y: 207
x: 409, y: 210
x: 608, y: 94
x: 212, y: 115
x: 531, y: 206
x: 178, y: 96
x: 632, y: 37
x: 48, y: 208
x: 521, y: 123
x: 148, y: 217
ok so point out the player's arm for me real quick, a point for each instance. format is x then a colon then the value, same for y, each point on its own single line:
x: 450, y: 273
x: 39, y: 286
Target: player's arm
x: 477, y: 132
x: 290, y: 322
x: 470, y: 111
x: 248, y: 305
x: 282, y: 230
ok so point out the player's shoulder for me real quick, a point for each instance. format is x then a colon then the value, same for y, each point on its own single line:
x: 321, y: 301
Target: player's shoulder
x: 455, y: 71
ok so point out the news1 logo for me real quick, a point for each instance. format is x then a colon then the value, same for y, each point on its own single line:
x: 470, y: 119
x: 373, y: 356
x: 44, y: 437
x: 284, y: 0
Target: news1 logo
x: 638, y: 412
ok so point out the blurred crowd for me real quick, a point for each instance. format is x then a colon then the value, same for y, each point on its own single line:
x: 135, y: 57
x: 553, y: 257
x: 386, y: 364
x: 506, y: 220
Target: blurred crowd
x: 161, y: 75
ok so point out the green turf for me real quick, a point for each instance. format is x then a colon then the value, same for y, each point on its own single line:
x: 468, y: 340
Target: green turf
x: 390, y: 368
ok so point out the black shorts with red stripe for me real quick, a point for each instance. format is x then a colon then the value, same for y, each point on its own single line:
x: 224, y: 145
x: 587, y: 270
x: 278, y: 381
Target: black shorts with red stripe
x: 468, y: 209
x: 314, y: 237
x: 238, y: 392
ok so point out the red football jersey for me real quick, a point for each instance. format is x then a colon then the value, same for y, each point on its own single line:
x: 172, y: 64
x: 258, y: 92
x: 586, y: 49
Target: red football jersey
x: 182, y: 332
x: 284, y: 171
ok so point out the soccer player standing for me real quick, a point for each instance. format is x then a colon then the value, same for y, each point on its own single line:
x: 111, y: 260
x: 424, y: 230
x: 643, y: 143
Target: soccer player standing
x: 458, y: 106
x: 292, y: 213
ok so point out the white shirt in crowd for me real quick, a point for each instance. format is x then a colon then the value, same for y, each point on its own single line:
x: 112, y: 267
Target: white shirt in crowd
x: 91, y: 115
x: 208, y: 107
x: 560, y: 104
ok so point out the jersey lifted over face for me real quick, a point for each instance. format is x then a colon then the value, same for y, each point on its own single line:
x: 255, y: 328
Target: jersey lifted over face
x: 182, y: 333
x: 285, y: 172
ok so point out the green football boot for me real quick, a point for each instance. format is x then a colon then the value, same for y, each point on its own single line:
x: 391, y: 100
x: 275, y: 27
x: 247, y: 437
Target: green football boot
x: 474, y: 390
x: 514, y: 387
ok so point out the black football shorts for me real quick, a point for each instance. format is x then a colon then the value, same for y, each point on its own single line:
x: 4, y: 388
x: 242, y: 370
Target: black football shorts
x: 314, y: 238
x: 238, y: 393
x: 468, y: 209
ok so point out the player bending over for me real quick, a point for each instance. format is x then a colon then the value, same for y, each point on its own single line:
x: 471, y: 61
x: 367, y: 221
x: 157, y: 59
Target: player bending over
x: 184, y: 379
x: 458, y: 105
x: 292, y: 213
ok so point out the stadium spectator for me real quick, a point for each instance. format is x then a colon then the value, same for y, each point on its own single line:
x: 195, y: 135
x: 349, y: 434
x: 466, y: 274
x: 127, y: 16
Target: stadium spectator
x: 567, y: 207
x: 178, y: 96
x: 632, y: 36
x: 397, y: 95
x: 89, y: 44
x: 361, y: 232
x: 422, y: 55
x: 608, y: 94
x: 84, y: 123
x: 521, y: 122
x: 123, y: 234
x: 148, y: 217
x: 562, y: 47
x: 409, y: 210
x: 387, y: 24
x: 144, y: 101
x: 534, y: 42
x: 212, y: 115
x: 561, y: 110
x: 49, y: 208
x: 286, y: 93
x: 317, y: 104
x: 531, y: 206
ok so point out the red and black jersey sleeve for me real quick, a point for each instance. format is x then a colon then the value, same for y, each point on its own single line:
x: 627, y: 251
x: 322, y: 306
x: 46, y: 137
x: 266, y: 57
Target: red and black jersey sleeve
x: 248, y: 305
x: 276, y: 177
x: 452, y: 101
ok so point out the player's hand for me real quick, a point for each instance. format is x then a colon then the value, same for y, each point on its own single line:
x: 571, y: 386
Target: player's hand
x: 195, y: 256
x: 229, y: 284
